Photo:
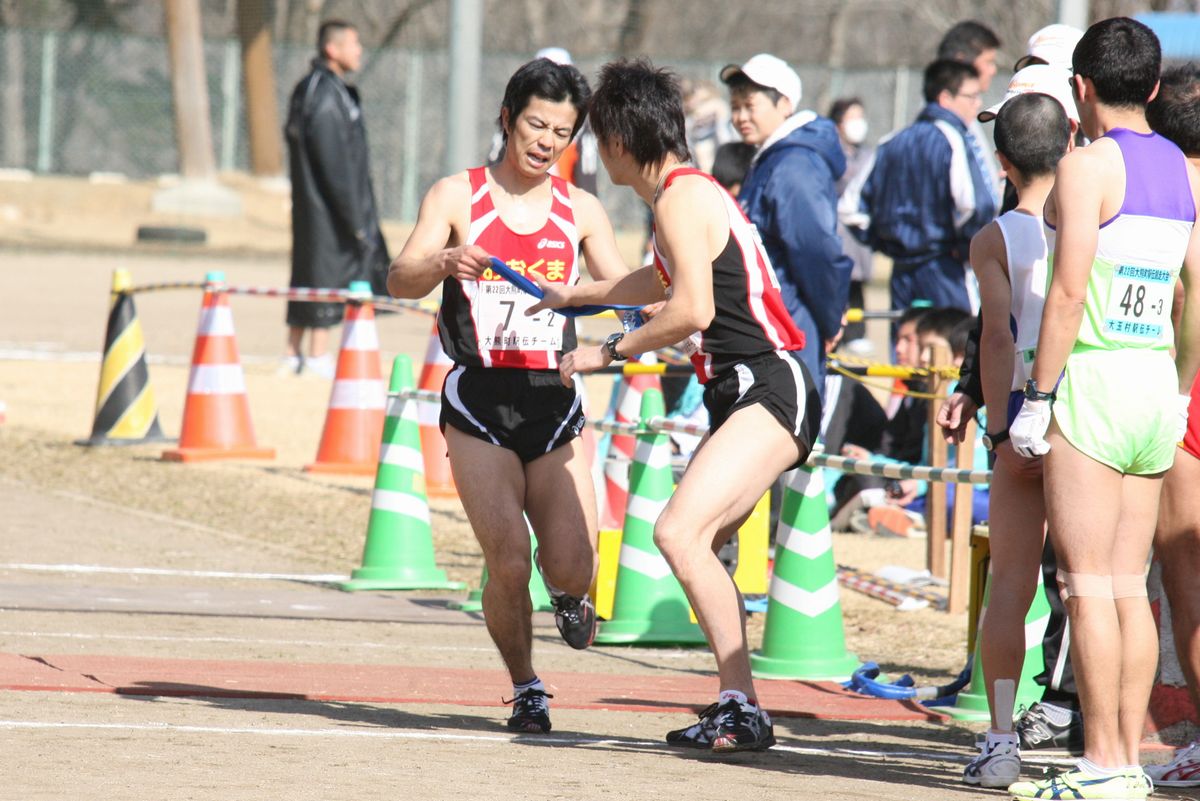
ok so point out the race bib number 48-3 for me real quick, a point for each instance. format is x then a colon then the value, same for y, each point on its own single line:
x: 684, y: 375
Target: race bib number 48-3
x: 1139, y: 302
x: 503, y: 325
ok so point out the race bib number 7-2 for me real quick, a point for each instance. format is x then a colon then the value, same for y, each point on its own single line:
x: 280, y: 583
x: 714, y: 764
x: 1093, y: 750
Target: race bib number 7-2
x: 1139, y: 302
x: 503, y: 324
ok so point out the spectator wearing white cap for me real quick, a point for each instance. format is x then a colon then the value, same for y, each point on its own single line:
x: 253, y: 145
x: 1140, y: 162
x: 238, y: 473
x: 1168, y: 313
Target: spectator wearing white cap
x: 789, y: 196
x: 1051, y: 45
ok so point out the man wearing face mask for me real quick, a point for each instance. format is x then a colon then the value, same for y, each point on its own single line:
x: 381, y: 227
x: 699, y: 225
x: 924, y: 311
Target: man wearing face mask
x: 850, y: 118
x: 789, y: 196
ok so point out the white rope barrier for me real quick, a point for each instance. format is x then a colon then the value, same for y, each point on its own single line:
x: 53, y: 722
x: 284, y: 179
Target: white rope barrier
x: 845, y: 464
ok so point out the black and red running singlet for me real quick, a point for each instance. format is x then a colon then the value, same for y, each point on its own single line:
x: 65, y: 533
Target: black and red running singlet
x: 750, y: 318
x: 482, y: 323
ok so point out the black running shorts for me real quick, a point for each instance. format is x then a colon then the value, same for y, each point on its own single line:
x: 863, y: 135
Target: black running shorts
x: 780, y: 384
x: 528, y: 412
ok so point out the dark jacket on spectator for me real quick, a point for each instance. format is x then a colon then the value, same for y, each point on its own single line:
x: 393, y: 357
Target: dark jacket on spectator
x: 336, y: 236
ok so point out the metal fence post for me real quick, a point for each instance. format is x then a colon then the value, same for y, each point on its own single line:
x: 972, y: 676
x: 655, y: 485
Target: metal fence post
x: 231, y: 103
x: 411, y: 144
x: 45, y: 154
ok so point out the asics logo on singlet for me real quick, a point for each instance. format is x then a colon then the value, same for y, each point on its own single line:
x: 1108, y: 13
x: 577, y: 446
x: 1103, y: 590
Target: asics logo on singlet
x: 551, y: 243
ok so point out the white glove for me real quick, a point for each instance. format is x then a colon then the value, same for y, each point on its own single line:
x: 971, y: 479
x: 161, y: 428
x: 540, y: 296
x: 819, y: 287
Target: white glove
x: 1181, y: 422
x: 1028, y: 431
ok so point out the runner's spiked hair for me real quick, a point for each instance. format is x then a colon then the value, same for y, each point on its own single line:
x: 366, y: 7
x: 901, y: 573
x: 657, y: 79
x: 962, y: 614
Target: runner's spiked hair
x: 550, y: 81
x: 1122, y: 57
x: 639, y: 106
x: 1175, y: 110
x: 1032, y: 132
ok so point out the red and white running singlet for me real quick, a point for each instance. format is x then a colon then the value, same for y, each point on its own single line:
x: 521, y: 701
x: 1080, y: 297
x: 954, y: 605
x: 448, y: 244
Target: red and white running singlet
x: 750, y: 316
x: 482, y: 323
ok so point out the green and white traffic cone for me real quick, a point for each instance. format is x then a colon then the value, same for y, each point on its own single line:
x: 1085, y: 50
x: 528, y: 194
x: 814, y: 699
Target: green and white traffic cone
x: 803, y: 636
x: 649, y: 607
x: 398, y: 554
x: 972, y: 703
x: 538, y: 594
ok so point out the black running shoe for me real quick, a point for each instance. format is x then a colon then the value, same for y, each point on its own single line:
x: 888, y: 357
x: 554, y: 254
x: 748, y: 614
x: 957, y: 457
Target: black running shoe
x: 700, y: 734
x: 742, y: 728
x: 576, y: 620
x: 531, y: 713
x: 1038, y: 731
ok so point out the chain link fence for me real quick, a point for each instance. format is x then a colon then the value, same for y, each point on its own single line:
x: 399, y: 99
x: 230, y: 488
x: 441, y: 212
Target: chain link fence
x: 79, y: 103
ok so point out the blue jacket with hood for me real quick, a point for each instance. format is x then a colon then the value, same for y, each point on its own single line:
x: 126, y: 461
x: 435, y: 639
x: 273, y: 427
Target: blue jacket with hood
x: 789, y: 195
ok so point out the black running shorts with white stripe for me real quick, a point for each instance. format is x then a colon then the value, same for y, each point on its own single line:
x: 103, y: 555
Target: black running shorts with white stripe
x: 776, y: 381
x: 528, y: 412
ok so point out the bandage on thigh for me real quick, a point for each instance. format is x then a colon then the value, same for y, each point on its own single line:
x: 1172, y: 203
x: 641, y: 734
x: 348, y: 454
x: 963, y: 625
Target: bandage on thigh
x: 1084, y: 585
x: 1129, y: 585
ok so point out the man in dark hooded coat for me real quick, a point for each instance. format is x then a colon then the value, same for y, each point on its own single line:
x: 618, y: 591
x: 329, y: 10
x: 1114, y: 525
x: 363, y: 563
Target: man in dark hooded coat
x: 336, y: 236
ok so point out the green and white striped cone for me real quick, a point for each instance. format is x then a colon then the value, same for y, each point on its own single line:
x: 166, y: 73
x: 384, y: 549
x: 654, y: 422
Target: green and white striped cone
x: 398, y: 554
x: 649, y: 607
x: 972, y: 703
x: 537, y: 589
x: 803, y: 636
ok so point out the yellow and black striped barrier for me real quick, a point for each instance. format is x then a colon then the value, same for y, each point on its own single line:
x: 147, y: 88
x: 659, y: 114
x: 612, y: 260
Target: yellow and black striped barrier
x: 126, y: 410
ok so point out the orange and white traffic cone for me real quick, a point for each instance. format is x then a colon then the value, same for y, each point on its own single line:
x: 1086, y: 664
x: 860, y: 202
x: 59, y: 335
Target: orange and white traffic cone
x: 439, y: 482
x: 354, y: 422
x: 216, y: 413
x: 621, y: 446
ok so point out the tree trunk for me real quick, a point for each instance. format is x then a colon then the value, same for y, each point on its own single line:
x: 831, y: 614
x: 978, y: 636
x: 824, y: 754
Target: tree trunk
x: 12, y: 98
x: 258, y: 73
x: 633, y: 28
x: 189, y: 90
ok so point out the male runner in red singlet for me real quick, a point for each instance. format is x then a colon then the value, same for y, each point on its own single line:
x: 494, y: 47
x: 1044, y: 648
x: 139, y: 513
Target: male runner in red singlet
x: 722, y: 299
x: 511, y: 426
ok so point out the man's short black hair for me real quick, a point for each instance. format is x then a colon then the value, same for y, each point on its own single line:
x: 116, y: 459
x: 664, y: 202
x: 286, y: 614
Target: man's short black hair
x: 945, y: 75
x: 1175, y: 110
x: 550, y: 81
x: 1122, y: 57
x: 960, y: 334
x: 1032, y: 132
x: 966, y: 40
x: 912, y: 314
x: 732, y: 162
x: 329, y: 30
x: 838, y: 110
x: 941, y: 321
x: 638, y: 106
x: 739, y: 83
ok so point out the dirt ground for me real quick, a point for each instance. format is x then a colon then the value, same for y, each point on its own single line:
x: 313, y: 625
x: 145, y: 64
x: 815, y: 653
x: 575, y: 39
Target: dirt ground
x: 123, y: 508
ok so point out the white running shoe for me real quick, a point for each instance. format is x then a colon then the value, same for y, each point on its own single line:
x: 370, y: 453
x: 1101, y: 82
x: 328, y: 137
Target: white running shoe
x: 998, y: 763
x: 1182, y: 771
x: 322, y: 366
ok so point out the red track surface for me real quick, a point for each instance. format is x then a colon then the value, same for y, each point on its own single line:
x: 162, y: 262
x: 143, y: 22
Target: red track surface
x: 408, y: 685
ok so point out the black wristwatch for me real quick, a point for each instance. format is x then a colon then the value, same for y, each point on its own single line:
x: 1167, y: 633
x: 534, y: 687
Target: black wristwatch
x: 1032, y: 393
x: 993, y: 441
x: 610, y: 347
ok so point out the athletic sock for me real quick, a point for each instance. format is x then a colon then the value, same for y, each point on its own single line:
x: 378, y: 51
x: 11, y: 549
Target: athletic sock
x: 995, y: 738
x: 1090, y: 767
x: 533, y: 684
x: 738, y: 696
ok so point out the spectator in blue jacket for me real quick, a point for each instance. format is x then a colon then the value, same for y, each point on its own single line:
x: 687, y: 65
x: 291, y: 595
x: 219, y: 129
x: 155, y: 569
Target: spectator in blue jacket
x: 927, y: 195
x: 789, y: 196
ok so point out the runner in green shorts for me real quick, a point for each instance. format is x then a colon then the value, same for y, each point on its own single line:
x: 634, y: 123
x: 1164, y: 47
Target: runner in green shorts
x: 1103, y: 403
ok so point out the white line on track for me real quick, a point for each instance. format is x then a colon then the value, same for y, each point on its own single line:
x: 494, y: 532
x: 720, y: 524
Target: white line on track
x: 68, y: 635
x: 858, y: 753
x: 315, y: 578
